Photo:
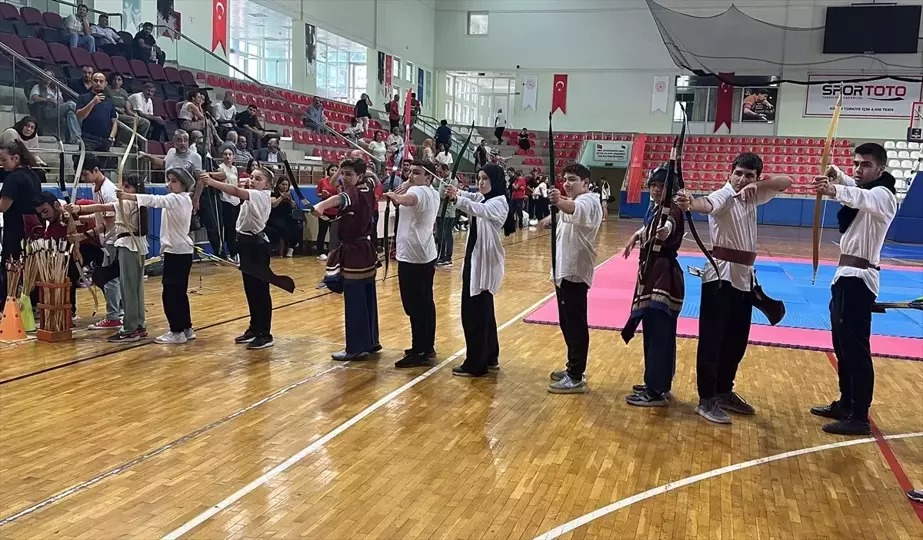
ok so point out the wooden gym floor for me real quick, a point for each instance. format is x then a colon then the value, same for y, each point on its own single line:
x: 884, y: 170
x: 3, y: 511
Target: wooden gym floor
x: 211, y: 441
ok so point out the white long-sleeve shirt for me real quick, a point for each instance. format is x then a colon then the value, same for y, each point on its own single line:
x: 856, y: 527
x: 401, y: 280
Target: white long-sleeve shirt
x: 576, y: 241
x: 488, y: 255
x: 732, y: 224
x: 866, y: 234
x: 174, y: 221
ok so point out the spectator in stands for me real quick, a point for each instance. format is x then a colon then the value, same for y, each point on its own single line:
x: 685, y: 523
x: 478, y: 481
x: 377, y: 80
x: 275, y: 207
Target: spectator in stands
x: 242, y: 152
x: 499, y: 126
x: 426, y: 152
x: 377, y: 147
x: 119, y: 97
x: 524, y: 143
x: 107, y: 38
x: 78, y: 29
x: 444, y: 134
x: 191, y: 115
x: 354, y: 132
x: 84, y: 85
x: 248, y: 122
x: 25, y: 130
x: 99, y: 121
x: 480, y: 154
x: 415, y: 108
x: 230, y: 141
x: 362, y: 112
x: 142, y: 105
x: 394, y: 142
x: 180, y: 156
x: 517, y: 190
x: 272, y: 153
x: 18, y: 190
x: 282, y: 225
x: 394, y: 112
x: 443, y: 155
x: 144, y: 47
x: 314, y: 118
x: 224, y: 113
x: 47, y: 105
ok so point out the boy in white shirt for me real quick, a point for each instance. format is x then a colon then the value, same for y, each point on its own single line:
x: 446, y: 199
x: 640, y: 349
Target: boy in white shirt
x: 416, y: 257
x: 580, y: 218
x: 869, y: 206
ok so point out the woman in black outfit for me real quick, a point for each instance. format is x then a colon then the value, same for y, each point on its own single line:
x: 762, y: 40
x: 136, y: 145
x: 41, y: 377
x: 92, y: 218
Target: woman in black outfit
x: 16, y: 202
x: 282, y: 222
x: 524, y: 143
x: 362, y: 113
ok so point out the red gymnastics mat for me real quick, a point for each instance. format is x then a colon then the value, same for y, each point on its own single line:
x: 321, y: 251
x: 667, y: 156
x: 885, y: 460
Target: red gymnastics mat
x: 897, y: 334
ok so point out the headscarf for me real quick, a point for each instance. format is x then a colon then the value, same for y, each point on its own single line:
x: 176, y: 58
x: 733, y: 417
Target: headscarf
x: 498, y: 189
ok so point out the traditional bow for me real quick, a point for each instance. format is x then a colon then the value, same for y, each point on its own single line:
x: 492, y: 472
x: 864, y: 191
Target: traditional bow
x: 819, y: 206
x: 445, y: 201
x: 554, y: 209
x: 119, y: 174
x: 881, y: 307
x: 680, y: 184
x: 72, y: 227
x: 294, y: 181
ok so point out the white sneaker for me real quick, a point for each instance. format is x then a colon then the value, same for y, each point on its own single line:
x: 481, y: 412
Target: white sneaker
x: 171, y: 338
x: 189, y: 334
x: 289, y: 252
x: 533, y: 222
x: 322, y: 257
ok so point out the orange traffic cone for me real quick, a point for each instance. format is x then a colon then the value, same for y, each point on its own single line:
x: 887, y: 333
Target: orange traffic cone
x: 11, y: 326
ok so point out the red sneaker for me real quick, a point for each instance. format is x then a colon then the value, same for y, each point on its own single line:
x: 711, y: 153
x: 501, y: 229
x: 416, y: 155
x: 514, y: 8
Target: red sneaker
x: 106, y: 324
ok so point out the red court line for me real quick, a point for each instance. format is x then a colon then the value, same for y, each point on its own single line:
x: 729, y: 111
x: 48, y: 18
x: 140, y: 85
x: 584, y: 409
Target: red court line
x: 888, y: 453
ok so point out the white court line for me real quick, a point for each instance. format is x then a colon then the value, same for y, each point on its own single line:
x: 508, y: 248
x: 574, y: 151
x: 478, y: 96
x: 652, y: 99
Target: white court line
x: 319, y: 443
x: 618, y: 505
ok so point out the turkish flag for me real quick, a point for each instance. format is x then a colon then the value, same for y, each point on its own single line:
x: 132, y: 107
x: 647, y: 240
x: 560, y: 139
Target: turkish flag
x: 636, y: 169
x: 725, y: 105
x: 559, y: 94
x: 220, y: 25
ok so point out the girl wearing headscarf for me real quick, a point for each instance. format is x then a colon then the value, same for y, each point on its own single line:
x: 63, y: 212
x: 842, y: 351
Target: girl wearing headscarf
x: 489, y: 211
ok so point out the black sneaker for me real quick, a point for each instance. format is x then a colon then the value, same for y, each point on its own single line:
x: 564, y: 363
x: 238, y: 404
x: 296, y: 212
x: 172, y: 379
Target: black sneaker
x: 640, y: 388
x: 849, y: 426
x: 834, y: 411
x: 732, y: 402
x: 411, y: 352
x: 125, y: 337
x: 647, y: 398
x: 260, y: 342
x: 494, y: 367
x: 460, y: 371
x: 915, y: 495
x: 247, y: 337
x: 412, y: 361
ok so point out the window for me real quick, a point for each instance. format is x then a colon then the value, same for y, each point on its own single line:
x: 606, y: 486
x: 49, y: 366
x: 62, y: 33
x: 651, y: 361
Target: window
x: 477, y: 23
x: 395, y: 67
x: 342, y: 68
x: 408, y: 72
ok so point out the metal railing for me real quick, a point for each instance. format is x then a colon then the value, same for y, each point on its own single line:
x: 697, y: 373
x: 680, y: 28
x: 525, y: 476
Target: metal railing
x: 40, y: 74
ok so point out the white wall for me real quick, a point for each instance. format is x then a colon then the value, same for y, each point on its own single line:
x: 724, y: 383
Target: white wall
x: 611, y: 49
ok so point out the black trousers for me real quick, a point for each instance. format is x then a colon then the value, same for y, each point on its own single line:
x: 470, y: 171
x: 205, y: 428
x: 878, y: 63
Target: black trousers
x: 851, y: 324
x: 416, y: 284
x: 322, y: 227
x: 572, y: 319
x: 259, y: 301
x: 229, y: 213
x: 175, y: 295
x: 498, y: 133
x: 724, y: 328
x: 659, y: 332
x: 518, y: 207
x: 480, y: 325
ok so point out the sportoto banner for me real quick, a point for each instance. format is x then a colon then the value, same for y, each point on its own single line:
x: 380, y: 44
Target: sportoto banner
x: 884, y: 98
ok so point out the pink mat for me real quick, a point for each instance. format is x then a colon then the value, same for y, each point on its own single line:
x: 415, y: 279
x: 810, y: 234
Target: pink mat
x: 610, y: 298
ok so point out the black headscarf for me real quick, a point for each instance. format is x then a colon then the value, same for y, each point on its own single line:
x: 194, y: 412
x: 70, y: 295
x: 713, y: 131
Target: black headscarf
x: 846, y: 215
x: 498, y: 189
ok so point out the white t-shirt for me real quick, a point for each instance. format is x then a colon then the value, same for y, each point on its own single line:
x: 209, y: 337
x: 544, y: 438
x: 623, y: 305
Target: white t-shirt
x: 500, y: 120
x: 378, y: 149
x: 184, y: 112
x: 174, y: 220
x: 415, y: 241
x: 141, y: 104
x: 254, y: 213
x: 106, y: 195
x: 576, y: 241
x: 230, y: 178
x: 445, y: 158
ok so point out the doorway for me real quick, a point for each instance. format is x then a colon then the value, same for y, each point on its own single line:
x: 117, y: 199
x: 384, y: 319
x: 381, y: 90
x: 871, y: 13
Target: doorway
x: 615, y: 176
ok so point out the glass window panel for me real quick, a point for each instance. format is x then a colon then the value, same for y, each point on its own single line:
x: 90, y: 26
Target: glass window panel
x: 477, y: 23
